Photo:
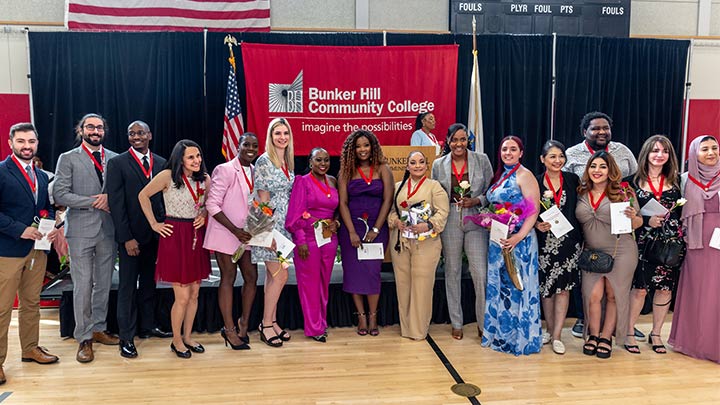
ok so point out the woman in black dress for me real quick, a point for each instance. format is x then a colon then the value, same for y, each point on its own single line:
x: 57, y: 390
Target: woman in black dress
x: 557, y: 256
x: 657, y: 177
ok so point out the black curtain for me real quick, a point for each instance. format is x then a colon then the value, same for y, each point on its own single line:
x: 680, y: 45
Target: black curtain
x: 639, y: 83
x: 154, y: 77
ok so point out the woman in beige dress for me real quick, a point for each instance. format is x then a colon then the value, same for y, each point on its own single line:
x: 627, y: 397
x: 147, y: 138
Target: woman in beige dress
x: 600, y: 186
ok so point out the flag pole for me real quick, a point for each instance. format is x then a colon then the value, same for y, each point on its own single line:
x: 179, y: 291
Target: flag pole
x: 230, y: 41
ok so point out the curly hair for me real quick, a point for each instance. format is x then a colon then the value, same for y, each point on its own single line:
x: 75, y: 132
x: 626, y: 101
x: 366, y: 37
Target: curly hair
x: 612, y: 189
x: 348, y: 157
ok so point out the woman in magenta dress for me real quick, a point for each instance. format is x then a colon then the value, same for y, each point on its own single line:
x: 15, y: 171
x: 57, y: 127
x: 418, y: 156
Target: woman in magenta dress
x: 366, y: 193
x: 181, y: 259
x: 314, y: 198
x: 696, y: 324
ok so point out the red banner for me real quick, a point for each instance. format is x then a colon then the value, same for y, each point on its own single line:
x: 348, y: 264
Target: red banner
x: 326, y: 92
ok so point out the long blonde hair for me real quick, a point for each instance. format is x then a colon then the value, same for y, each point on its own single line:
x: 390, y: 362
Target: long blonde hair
x: 270, y: 147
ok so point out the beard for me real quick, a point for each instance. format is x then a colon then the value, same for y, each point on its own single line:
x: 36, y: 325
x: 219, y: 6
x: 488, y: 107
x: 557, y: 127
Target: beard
x: 24, y: 154
x: 91, y: 141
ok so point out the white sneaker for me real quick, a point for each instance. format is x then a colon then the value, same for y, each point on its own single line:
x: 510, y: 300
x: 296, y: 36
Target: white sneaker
x: 546, y: 338
x: 558, y: 347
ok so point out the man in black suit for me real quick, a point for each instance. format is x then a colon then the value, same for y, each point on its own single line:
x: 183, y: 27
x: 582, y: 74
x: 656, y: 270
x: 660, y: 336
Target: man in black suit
x: 127, y: 174
x: 23, y: 197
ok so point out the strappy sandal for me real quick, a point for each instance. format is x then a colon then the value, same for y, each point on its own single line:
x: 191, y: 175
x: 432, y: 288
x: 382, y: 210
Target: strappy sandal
x: 632, y: 349
x: 659, y: 349
x: 284, y: 335
x: 361, y: 331
x: 604, y: 352
x: 589, y: 348
x: 457, y: 334
x: 273, y: 341
x: 374, y: 331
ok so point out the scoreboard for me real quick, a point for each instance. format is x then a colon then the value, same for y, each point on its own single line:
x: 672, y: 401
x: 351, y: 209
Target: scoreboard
x: 606, y: 18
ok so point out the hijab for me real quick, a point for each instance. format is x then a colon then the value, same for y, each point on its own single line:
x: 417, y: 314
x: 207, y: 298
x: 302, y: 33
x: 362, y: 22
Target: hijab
x: 692, y: 213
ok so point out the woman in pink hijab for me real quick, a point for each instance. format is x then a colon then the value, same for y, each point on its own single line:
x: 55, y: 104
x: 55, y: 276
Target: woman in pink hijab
x: 696, y: 324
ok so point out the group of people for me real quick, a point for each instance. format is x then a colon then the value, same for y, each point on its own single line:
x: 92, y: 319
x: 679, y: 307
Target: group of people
x: 164, y: 219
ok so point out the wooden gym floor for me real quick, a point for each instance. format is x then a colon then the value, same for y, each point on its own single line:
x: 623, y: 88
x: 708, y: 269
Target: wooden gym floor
x: 350, y: 369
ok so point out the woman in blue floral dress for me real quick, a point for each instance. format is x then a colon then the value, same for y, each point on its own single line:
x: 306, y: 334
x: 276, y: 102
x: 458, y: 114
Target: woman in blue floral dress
x: 512, y: 317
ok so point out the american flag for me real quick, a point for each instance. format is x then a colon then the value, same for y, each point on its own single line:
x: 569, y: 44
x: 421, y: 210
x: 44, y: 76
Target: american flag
x: 168, y: 15
x: 234, y: 126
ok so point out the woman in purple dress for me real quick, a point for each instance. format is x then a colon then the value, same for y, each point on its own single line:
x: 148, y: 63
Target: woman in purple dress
x: 366, y: 192
x: 313, y: 208
x: 696, y: 324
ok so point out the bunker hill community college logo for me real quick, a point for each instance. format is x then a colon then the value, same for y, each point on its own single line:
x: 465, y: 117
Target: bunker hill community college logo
x: 286, y: 98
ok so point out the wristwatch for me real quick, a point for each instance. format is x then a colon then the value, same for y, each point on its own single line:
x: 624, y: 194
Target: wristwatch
x: 374, y: 229
x: 430, y: 226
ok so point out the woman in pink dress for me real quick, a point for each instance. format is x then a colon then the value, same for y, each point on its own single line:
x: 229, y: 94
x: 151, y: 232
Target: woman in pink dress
x: 227, y: 204
x: 313, y: 208
x: 696, y: 324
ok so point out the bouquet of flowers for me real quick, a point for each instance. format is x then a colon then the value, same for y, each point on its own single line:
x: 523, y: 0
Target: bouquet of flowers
x: 418, y: 213
x: 259, y: 220
x: 512, y: 215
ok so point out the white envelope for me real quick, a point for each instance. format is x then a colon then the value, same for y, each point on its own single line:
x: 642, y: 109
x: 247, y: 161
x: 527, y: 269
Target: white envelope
x: 619, y: 222
x: 653, y: 207
x: 559, y: 225
x: 262, y: 239
x: 715, y: 239
x: 282, y: 244
x: 319, y: 238
x: 45, y: 227
x: 498, y: 231
x: 371, y: 251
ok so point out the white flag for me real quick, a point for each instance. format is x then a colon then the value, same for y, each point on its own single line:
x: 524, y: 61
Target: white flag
x: 475, y: 121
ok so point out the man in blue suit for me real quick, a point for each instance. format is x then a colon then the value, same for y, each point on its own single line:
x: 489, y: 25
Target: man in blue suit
x: 23, y: 197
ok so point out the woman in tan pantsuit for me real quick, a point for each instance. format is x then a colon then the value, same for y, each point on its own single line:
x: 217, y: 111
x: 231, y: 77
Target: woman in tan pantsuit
x: 600, y: 186
x: 419, y: 215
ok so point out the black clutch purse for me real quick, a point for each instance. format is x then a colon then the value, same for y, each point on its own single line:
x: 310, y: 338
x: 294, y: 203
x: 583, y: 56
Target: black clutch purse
x: 664, y: 248
x: 595, y: 261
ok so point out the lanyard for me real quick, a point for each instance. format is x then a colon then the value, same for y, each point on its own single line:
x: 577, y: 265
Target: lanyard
x: 250, y: 183
x: 195, y: 194
x: 326, y: 189
x: 415, y: 190
x: 592, y: 202
x: 95, y: 162
x: 592, y: 152
x: 657, y: 193
x: 368, y: 180
x: 31, y: 182
x: 705, y: 187
x: 557, y: 195
x: 147, y: 172
x: 285, y: 170
x: 507, y: 176
x: 460, y: 175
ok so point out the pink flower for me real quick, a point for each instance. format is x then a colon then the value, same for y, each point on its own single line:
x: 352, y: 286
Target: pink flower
x: 306, y: 215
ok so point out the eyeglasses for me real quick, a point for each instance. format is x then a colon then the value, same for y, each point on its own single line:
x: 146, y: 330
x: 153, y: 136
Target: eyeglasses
x: 138, y: 133
x: 91, y: 127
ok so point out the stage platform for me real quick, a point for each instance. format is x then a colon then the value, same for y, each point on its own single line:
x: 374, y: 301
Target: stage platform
x: 209, y: 319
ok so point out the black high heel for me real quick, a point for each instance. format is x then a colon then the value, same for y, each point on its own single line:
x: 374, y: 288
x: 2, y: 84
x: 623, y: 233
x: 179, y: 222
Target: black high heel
x: 284, y: 335
x: 183, y: 355
x: 373, y: 331
x: 632, y: 349
x: 197, y: 349
x: 246, y: 338
x: 273, y: 341
x: 241, y: 346
x: 659, y: 349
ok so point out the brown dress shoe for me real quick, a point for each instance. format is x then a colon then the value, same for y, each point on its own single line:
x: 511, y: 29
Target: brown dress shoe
x: 105, y: 338
x: 39, y: 355
x: 85, y: 352
x: 2, y: 376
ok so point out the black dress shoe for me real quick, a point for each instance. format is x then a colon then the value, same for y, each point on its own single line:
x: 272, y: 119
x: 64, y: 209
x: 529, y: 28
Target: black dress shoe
x: 127, y: 349
x: 154, y: 332
x: 183, y: 355
x: 197, y: 349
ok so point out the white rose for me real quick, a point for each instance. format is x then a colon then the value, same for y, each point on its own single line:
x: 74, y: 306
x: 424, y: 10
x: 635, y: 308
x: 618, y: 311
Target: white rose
x: 548, y: 194
x: 681, y: 202
x: 464, y: 185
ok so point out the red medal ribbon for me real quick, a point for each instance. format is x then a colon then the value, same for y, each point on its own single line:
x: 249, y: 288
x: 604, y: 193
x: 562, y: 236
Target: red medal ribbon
x: 325, y: 190
x: 250, y: 183
x: 368, y: 180
x: 592, y: 152
x: 507, y: 176
x: 148, y: 172
x: 557, y: 195
x: 95, y: 162
x: 195, y: 194
x: 657, y: 193
x: 31, y: 183
x: 285, y: 170
x: 592, y: 202
x: 705, y: 187
x: 460, y: 175
x: 415, y: 190
x: 431, y: 137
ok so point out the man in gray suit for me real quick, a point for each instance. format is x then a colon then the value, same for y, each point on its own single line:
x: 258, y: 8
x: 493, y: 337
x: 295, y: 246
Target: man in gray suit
x: 79, y: 185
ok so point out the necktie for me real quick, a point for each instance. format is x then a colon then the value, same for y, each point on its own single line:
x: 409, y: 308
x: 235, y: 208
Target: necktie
x: 146, y: 165
x: 98, y: 159
x: 31, y: 175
